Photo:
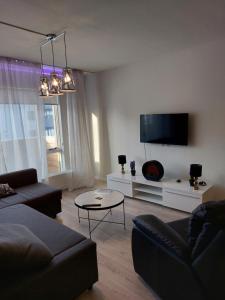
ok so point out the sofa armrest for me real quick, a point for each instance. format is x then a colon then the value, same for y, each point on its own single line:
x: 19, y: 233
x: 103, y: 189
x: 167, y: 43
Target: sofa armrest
x: 68, y: 275
x: 20, y: 178
x: 163, y: 235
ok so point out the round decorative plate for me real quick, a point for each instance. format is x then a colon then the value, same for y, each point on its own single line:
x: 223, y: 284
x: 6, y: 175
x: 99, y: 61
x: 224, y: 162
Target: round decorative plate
x: 153, y: 170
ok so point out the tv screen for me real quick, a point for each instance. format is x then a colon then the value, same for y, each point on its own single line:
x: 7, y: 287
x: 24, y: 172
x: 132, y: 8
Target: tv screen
x: 170, y: 129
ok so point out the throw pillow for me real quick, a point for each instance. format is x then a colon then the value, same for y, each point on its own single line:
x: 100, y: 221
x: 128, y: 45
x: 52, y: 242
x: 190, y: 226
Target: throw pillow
x: 21, y: 250
x: 6, y: 190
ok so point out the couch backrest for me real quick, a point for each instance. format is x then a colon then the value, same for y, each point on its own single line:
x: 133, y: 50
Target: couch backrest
x: 206, y: 221
x: 20, y: 178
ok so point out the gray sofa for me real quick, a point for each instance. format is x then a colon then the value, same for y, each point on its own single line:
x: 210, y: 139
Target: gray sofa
x: 29, y: 191
x: 72, y: 270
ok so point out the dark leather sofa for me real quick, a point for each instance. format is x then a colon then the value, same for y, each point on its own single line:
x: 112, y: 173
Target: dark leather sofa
x: 72, y: 270
x: 29, y: 191
x: 162, y: 257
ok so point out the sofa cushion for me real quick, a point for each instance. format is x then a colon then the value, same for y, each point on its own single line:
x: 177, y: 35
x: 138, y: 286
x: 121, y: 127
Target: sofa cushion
x: 3, y: 204
x: 57, y: 237
x: 42, y: 197
x: 37, y: 191
x: 32, y: 192
x: 13, y: 199
x: 20, y: 249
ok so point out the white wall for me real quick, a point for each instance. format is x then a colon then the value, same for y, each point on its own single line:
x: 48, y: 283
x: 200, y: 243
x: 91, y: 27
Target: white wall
x: 191, y: 80
x: 96, y: 105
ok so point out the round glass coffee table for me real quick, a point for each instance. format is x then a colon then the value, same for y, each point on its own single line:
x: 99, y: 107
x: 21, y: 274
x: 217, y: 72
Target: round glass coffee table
x: 101, y: 199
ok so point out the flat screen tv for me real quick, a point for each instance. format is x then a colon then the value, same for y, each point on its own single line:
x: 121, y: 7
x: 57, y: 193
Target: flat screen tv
x: 169, y: 129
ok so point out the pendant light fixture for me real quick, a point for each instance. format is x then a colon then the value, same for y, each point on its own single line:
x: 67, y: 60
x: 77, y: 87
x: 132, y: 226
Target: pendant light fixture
x: 68, y: 84
x: 55, y: 82
x: 44, y: 87
x: 55, y: 86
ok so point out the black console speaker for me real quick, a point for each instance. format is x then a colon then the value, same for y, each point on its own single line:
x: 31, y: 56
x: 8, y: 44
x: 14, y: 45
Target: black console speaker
x: 153, y: 170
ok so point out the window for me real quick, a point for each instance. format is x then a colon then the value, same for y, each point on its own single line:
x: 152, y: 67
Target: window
x: 54, y: 141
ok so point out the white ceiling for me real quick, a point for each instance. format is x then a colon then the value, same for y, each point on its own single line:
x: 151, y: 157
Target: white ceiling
x: 103, y: 34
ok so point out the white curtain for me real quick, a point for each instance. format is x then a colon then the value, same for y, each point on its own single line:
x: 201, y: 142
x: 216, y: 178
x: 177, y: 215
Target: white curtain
x: 79, y: 143
x: 22, y: 137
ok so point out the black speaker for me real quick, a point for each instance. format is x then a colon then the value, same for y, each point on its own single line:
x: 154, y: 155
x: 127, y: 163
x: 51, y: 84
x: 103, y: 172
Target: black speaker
x: 153, y: 170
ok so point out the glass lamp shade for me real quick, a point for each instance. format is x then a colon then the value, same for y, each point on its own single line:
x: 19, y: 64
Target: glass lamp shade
x: 44, y: 88
x: 68, y: 84
x: 55, y: 85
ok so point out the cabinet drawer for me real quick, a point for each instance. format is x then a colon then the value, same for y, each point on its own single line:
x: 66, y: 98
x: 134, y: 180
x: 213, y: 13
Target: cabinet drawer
x: 123, y: 187
x: 179, y: 201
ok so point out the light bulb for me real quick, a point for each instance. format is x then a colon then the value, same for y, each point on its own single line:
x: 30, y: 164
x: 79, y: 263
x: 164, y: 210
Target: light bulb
x: 67, y: 78
x: 54, y: 82
x: 44, y: 86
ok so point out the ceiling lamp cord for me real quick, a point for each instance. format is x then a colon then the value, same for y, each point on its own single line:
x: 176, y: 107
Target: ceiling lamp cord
x: 55, y: 82
x: 64, y: 38
x: 42, y: 68
x: 68, y: 84
x: 53, y: 55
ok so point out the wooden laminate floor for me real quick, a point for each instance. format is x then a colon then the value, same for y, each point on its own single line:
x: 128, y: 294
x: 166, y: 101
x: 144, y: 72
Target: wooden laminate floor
x: 117, y: 279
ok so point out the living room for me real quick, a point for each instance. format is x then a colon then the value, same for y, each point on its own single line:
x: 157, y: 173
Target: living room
x: 92, y: 206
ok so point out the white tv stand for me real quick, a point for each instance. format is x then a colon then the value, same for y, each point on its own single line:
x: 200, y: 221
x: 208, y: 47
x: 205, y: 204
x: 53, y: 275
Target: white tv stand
x: 166, y: 192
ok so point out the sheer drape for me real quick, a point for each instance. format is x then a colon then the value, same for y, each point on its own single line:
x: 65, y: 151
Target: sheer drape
x: 79, y: 143
x: 22, y: 142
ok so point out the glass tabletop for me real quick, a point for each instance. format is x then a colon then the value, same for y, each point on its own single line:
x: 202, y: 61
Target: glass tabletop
x: 105, y: 198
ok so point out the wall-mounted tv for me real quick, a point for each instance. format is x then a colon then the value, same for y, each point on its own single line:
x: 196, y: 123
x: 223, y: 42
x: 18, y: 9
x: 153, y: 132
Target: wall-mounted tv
x: 170, y: 129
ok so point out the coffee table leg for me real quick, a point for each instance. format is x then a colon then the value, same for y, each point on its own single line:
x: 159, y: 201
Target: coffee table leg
x: 124, y: 219
x: 110, y: 211
x: 79, y: 214
x: 89, y: 224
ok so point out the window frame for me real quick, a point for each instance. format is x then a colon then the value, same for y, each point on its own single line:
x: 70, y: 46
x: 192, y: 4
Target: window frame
x: 59, y: 138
